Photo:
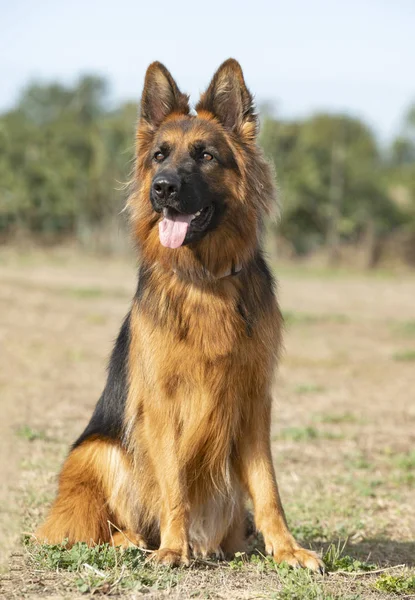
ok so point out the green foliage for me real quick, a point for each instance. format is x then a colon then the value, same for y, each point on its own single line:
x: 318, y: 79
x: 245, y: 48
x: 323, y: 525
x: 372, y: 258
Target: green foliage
x: 298, y: 584
x: 64, y: 151
x: 307, y: 155
x: 396, y: 584
x: 103, y: 568
x: 335, y: 560
x: 53, y: 557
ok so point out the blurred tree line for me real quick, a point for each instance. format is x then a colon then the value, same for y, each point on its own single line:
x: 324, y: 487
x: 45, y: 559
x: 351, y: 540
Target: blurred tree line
x: 339, y: 187
x: 64, y: 158
x: 65, y: 155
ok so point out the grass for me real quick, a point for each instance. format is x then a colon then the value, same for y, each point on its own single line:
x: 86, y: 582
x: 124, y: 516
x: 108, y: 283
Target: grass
x: 358, y: 461
x: 396, y: 584
x: 87, y: 293
x: 25, y: 432
x: 309, y: 388
x: 103, y: 569
x: 83, y: 292
x: 405, y: 461
x: 338, y: 419
x: 358, y: 487
x: 309, y: 532
x: 405, y: 328
x: 302, y: 318
x: 367, y: 487
x: 335, y: 560
x: 106, y: 570
x: 306, y: 434
x: 404, y: 356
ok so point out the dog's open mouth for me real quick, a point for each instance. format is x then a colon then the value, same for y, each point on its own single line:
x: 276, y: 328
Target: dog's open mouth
x: 177, y: 228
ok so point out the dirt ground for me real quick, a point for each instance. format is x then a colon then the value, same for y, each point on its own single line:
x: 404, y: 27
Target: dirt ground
x: 344, y: 412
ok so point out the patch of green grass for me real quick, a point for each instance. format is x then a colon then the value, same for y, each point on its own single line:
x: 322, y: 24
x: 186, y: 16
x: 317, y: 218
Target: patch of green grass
x: 404, y: 356
x: 358, y: 461
x: 405, y: 462
x: 309, y: 388
x: 84, y: 292
x: 301, y: 318
x: 337, y: 419
x: 25, y: 432
x: 306, y: 434
x: 406, y: 328
x: 309, y: 532
x: 103, y: 568
x: 366, y: 487
x: 298, y: 584
x: 335, y: 560
x: 396, y: 584
x: 299, y: 434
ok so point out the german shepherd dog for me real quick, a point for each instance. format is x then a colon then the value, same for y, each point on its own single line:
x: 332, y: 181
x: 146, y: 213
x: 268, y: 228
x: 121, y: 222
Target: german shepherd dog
x: 181, y: 434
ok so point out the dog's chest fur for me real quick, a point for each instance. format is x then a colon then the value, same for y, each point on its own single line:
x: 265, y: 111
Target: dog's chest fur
x: 191, y: 358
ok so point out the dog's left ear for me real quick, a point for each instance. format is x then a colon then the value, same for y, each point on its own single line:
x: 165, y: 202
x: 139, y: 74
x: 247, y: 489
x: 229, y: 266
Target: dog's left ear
x: 228, y: 98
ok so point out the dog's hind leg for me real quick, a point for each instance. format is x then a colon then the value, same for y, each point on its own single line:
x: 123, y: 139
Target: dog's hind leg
x: 93, y: 495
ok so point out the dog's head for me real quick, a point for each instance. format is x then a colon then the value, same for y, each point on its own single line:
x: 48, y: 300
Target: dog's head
x: 201, y: 183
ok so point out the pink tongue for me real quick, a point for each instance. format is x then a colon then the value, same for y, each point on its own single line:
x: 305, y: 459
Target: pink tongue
x: 173, y: 229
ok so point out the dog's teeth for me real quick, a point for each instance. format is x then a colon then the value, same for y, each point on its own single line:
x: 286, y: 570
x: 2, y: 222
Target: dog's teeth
x: 198, y: 213
x: 165, y: 212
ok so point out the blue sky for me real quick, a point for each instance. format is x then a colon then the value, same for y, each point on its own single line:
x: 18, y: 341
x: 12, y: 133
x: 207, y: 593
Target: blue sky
x: 304, y: 56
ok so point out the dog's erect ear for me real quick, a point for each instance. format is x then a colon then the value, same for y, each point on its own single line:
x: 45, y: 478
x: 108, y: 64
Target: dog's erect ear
x: 228, y: 98
x: 161, y: 96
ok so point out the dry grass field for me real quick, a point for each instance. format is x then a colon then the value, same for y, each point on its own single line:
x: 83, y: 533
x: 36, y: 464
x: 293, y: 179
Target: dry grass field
x: 343, y: 432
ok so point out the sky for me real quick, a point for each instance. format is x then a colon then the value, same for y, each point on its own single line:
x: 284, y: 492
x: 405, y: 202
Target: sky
x: 303, y: 56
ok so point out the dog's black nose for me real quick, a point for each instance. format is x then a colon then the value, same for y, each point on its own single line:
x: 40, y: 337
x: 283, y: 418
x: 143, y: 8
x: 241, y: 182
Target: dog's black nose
x: 166, y: 187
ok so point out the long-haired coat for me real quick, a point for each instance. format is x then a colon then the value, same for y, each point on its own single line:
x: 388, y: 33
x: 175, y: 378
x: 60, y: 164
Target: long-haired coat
x: 181, y: 434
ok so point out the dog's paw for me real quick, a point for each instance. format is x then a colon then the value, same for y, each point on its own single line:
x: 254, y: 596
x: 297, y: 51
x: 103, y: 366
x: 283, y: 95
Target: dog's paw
x: 296, y: 557
x: 203, y: 552
x: 171, y: 558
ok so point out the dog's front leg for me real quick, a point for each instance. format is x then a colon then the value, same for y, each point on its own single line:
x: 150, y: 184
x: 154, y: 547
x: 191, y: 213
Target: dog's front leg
x: 258, y: 476
x: 171, y: 478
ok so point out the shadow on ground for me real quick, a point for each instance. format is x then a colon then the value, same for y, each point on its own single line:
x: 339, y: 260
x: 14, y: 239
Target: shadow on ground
x: 380, y: 551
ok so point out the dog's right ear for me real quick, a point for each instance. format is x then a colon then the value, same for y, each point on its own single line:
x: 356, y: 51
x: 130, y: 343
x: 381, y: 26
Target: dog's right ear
x: 161, y: 96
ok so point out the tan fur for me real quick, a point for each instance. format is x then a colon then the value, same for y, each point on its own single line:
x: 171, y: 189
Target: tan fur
x: 202, y: 355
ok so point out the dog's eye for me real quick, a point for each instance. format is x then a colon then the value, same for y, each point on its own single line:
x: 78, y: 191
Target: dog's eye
x: 159, y: 156
x: 206, y: 156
